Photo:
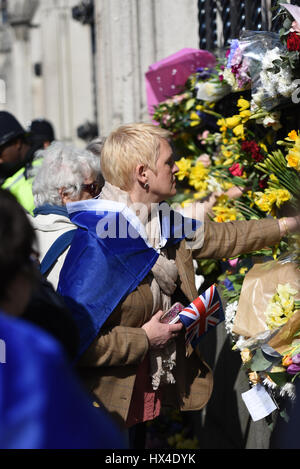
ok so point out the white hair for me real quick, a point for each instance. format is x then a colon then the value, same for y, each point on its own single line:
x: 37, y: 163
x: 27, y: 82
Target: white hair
x: 64, y: 167
x: 96, y: 145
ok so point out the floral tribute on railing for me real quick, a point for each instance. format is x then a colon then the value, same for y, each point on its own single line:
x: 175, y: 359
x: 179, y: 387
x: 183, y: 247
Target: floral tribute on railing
x: 237, y: 137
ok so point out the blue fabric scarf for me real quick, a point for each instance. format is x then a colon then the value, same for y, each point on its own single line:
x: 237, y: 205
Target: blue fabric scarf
x: 109, y: 257
x: 42, y: 405
x: 48, y: 209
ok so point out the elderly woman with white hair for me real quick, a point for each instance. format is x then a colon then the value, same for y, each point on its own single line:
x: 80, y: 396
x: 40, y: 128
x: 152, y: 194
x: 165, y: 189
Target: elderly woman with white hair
x: 68, y: 174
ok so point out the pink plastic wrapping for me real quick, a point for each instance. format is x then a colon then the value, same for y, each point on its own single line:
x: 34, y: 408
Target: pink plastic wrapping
x: 167, y: 77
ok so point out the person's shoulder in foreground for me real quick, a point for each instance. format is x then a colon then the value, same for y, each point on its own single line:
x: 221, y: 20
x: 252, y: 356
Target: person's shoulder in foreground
x: 42, y: 405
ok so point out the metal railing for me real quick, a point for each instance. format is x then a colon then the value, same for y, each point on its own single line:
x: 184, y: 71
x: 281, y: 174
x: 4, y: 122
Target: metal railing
x: 222, y: 20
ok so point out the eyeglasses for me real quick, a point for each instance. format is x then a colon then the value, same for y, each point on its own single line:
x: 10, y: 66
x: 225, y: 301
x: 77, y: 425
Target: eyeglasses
x: 93, y: 189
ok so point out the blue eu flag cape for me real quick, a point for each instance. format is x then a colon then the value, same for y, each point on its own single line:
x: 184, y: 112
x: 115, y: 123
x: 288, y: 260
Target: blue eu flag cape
x: 109, y: 257
x: 42, y: 404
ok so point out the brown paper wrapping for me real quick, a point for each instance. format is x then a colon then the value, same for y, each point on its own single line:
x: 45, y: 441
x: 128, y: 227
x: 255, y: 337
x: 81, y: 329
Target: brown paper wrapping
x: 259, y: 286
x: 282, y: 341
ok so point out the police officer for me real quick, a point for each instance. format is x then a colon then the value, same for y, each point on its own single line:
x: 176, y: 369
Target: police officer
x: 17, y: 164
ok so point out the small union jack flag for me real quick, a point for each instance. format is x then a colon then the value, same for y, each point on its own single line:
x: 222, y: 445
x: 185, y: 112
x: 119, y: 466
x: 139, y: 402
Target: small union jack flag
x: 203, y: 313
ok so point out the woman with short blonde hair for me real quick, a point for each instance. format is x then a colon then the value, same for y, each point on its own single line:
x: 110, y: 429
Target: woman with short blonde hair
x: 127, y: 147
x: 119, y: 282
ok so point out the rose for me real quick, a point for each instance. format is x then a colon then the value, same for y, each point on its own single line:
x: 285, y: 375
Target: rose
x: 236, y: 169
x: 293, y: 42
x: 253, y: 148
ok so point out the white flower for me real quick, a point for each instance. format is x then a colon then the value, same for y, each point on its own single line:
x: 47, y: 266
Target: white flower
x: 241, y: 343
x: 230, y: 313
x: 273, y: 84
x: 289, y: 389
x: 211, y: 92
x: 213, y: 185
x: 269, y: 383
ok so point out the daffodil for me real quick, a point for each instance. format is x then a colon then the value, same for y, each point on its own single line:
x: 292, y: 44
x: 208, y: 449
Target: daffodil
x: 245, y: 114
x: 233, y: 121
x: 281, y: 307
x: 293, y: 159
x: 292, y: 135
x: 239, y: 131
x: 184, y: 166
x: 198, y: 177
x: 224, y: 214
x: 243, y: 104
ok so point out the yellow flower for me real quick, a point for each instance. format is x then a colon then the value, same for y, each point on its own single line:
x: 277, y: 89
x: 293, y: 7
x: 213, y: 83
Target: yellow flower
x: 239, y: 131
x: 262, y: 201
x: 273, y: 178
x: 293, y: 135
x: 222, y: 124
x: 281, y: 307
x: 293, y: 159
x: 263, y: 146
x: 245, y: 114
x: 233, y: 121
x: 224, y: 214
x: 243, y: 270
x: 266, y: 200
x: 184, y: 166
x: 198, y: 178
x: 243, y: 104
x: 282, y: 195
x: 195, y: 119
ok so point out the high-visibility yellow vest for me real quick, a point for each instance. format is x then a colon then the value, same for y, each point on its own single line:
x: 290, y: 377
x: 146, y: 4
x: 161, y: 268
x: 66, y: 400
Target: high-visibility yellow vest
x: 21, y: 187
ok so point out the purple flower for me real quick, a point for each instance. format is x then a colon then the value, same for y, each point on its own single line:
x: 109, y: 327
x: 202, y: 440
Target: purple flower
x: 296, y: 359
x: 204, y: 73
x: 294, y: 368
x: 234, y: 46
x: 228, y: 284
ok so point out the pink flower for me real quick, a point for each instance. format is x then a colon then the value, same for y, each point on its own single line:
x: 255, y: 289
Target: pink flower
x: 205, y: 159
x: 236, y: 169
x: 295, y: 27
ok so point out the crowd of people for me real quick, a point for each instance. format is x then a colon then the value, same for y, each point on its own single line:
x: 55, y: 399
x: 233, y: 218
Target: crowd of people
x: 91, y: 257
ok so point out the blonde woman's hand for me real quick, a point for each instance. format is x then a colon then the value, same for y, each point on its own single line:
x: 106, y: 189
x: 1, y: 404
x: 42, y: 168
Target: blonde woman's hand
x: 159, y: 333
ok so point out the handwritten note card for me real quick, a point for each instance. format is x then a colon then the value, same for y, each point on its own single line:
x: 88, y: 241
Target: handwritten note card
x: 258, y: 402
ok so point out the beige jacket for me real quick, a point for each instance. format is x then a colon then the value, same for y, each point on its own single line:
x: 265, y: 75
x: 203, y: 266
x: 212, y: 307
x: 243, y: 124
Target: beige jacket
x: 108, y: 368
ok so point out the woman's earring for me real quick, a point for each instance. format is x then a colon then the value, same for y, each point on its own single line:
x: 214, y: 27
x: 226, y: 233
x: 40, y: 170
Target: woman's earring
x: 146, y: 185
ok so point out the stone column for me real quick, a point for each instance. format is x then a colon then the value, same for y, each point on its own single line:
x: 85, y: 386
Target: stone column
x: 131, y: 35
x: 19, y: 100
x: 67, y: 68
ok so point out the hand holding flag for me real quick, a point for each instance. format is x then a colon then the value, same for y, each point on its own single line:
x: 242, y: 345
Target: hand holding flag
x: 202, y: 314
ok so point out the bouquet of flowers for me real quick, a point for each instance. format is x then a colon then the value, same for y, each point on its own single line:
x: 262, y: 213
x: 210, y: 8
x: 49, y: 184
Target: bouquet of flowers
x: 267, y: 328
